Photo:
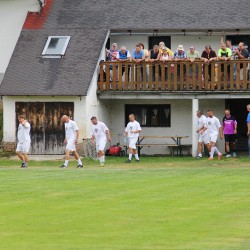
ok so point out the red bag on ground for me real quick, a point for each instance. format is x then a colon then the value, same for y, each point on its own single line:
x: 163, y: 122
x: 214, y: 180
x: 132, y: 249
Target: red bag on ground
x: 115, y: 150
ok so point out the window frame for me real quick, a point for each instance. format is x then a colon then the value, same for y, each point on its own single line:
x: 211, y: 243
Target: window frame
x: 149, y: 108
x: 44, y: 55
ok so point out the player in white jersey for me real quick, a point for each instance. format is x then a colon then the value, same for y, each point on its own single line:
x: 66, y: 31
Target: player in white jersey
x: 202, y: 137
x: 132, y: 132
x: 100, y: 133
x: 23, y: 138
x: 213, y: 128
x: 71, y: 139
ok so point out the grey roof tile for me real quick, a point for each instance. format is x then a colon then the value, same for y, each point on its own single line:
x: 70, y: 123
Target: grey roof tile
x: 87, y: 22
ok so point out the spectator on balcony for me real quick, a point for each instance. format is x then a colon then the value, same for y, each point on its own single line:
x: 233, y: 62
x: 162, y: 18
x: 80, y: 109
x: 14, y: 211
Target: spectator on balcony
x: 146, y: 54
x: 124, y: 56
x: 230, y: 46
x: 164, y: 57
x: 241, y: 53
x: 162, y: 45
x: 180, y: 55
x: 111, y: 56
x: 193, y: 54
x: 154, y: 57
x: 137, y: 57
x: 207, y: 56
x: 224, y: 54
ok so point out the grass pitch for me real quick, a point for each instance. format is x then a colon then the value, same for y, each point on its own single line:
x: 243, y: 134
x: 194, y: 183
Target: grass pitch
x: 159, y: 203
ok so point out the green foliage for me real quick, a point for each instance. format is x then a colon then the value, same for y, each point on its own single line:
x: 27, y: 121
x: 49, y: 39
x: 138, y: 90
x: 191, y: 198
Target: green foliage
x: 1, y: 125
x: 159, y: 203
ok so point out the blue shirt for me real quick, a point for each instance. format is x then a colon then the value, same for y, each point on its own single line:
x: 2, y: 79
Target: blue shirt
x: 181, y: 55
x: 139, y: 55
x: 248, y: 117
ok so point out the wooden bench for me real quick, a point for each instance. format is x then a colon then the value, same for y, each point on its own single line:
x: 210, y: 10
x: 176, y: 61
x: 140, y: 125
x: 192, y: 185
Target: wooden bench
x: 170, y: 146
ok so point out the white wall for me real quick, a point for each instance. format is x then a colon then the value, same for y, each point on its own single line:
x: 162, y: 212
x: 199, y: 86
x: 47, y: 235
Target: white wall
x: 198, y: 41
x: 181, y: 122
x: 12, y: 17
x: 94, y: 106
x: 9, y: 126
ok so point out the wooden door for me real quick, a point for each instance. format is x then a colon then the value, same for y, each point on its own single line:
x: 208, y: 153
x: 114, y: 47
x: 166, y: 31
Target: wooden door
x: 155, y: 40
x: 54, y: 129
x: 47, y: 131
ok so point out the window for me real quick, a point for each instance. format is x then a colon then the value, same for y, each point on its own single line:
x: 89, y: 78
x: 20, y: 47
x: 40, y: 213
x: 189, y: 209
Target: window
x: 55, y: 46
x: 149, y: 115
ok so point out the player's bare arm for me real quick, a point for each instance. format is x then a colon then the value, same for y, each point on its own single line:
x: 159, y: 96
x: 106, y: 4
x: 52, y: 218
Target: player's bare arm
x: 93, y: 139
x: 203, y: 130
x: 77, y: 136
x: 248, y: 128
x: 235, y: 128
x: 221, y: 132
x: 135, y: 131
x: 108, y: 135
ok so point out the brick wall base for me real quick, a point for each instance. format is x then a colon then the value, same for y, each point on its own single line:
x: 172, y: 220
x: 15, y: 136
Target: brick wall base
x: 9, y: 146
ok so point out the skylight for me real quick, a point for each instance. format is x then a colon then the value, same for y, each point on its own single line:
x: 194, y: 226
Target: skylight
x: 55, y: 46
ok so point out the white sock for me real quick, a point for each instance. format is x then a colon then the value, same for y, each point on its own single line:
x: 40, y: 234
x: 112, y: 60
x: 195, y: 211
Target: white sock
x: 100, y: 159
x: 212, y: 152
x: 136, y: 157
x: 66, y: 162
x: 199, y: 154
x: 217, y: 151
x: 103, y: 158
x: 79, y: 161
x: 130, y: 157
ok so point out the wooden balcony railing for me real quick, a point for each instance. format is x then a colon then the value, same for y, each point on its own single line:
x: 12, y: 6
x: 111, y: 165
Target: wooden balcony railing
x: 217, y: 75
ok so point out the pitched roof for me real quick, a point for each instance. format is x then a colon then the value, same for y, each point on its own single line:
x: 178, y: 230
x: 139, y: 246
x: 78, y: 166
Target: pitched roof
x: 151, y: 14
x: 29, y: 74
x: 87, y: 22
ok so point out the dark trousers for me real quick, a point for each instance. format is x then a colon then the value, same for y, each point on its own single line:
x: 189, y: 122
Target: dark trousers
x: 123, y: 70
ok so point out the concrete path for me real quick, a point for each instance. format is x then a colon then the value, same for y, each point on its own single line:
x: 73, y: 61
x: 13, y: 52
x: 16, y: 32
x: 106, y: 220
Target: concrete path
x: 42, y: 157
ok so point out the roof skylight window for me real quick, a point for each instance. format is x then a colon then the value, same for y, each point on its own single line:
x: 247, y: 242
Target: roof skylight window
x: 55, y: 46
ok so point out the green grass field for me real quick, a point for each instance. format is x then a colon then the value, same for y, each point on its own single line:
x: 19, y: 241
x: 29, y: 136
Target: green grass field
x: 159, y: 203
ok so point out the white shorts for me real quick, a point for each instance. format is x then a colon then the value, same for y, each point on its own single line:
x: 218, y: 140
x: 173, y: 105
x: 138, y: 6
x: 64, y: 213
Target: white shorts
x: 23, y: 147
x: 213, y: 137
x: 132, y: 142
x: 204, y: 138
x: 71, y: 145
x: 100, y: 145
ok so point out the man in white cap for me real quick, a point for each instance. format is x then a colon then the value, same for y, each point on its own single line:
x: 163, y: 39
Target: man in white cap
x: 180, y: 55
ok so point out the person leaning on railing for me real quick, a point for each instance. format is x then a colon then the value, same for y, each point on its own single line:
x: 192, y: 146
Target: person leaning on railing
x: 241, y: 53
x: 224, y: 54
x: 154, y: 56
x: 180, y: 55
x: 124, y: 56
x: 164, y: 56
x: 208, y: 55
x: 111, y: 55
x: 162, y: 45
x: 137, y: 57
x: 193, y: 54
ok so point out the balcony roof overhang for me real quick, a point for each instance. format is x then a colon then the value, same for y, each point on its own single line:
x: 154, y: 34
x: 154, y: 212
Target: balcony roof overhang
x: 167, y: 95
x: 186, y: 32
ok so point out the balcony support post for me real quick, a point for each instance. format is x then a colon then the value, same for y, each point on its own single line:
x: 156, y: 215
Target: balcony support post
x: 195, y: 108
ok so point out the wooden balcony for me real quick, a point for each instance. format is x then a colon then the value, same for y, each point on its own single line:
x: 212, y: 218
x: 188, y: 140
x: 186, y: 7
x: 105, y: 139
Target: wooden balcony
x: 175, y: 76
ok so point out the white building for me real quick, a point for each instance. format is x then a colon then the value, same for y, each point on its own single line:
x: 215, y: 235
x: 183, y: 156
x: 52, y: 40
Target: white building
x: 46, y: 86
